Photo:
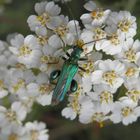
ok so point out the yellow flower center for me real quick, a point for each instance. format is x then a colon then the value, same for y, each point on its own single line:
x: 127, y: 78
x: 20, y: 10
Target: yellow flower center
x: 137, y: 92
x: 13, y: 137
x: 75, y: 103
x: 99, y: 34
x: 80, y: 43
x: 11, y: 115
x: 106, y: 97
x: 20, y: 66
x: 45, y: 88
x: 114, y: 39
x: 126, y: 111
x: 134, y: 95
x: 98, y: 116
x: 2, y: 85
x: 97, y: 14
x: 34, y: 135
x: 88, y: 67
x: 110, y: 77
x: 124, y: 25
x: 42, y: 40
x: 130, y: 55
x: 43, y: 19
x: 61, y: 30
x: 130, y: 72
x: 18, y: 85
x: 24, y: 50
x: 46, y: 59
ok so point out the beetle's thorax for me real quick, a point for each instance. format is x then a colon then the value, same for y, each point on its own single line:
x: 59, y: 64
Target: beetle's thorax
x: 75, y: 55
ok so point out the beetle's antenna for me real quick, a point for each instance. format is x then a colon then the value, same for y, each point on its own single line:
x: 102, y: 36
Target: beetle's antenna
x: 62, y: 40
x: 70, y: 12
x: 93, y: 41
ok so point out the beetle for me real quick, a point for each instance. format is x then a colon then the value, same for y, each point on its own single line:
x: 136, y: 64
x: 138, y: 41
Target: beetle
x: 65, y: 82
x: 65, y: 76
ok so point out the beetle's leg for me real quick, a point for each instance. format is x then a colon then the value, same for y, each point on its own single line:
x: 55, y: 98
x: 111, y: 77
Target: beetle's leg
x: 64, y: 58
x: 54, y: 75
x: 83, y: 59
x: 68, y: 54
x: 64, y: 44
x: 53, y: 83
x: 82, y: 69
x: 53, y: 62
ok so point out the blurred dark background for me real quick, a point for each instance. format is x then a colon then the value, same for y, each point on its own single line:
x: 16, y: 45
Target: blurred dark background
x: 13, y: 19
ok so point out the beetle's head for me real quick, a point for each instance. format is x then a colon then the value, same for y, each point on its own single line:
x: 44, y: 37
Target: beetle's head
x: 77, y: 52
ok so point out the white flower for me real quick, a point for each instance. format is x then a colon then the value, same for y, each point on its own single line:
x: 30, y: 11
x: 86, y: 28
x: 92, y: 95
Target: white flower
x: 86, y: 112
x: 95, y: 56
x: 10, y: 118
x: 3, y: 47
x: 104, y: 95
x: 74, y: 105
x: 112, y: 44
x: 68, y: 112
x: 133, y: 89
x: 91, y: 36
x: 66, y: 31
x: 25, y: 103
x: 96, y: 17
x: 109, y: 73
x: 90, y: 6
x: 72, y: 110
x: 133, y: 94
x: 51, y: 51
x: 36, y: 130
x: 19, y: 79
x: 49, y: 63
x: 133, y: 83
x: 99, y: 33
x: 130, y: 51
x: 92, y: 111
x: 131, y: 71
x: 16, y: 133
x: 87, y: 83
x: 123, y: 22
x: 87, y: 41
x: 39, y: 90
x: 26, y: 49
x: 125, y: 111
x: 6, y: 57
x: 47, y: 17
x: 89, y: 66
x: 43, y: 89
x: 3, y: 82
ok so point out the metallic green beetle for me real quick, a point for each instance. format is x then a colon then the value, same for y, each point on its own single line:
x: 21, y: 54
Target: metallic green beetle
x: 70, y: 67
x: 65, y: 76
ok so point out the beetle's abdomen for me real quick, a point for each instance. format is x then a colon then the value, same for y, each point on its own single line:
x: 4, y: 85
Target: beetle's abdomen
x: 64, y: 81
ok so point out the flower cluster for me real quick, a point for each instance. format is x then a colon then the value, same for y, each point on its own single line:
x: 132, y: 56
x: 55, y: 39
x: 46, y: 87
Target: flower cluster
x: 108, y: 81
